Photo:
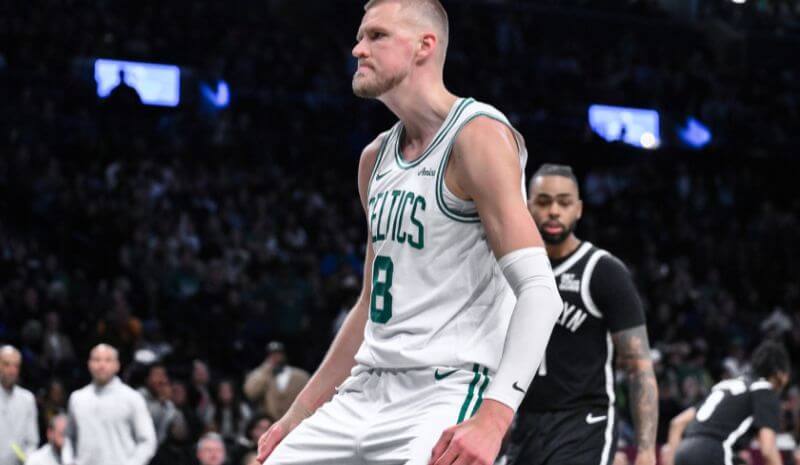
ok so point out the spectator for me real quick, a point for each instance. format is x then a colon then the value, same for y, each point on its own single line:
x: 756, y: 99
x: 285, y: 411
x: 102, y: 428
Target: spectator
x: 123, y: 96
x: 201, y: 378
x: 157, y: 394
x: 211, y: 450
x: 229, y: 415
x: 54, y: 403
x: 57, y: 349
x: 50, y: 453
x: 19, y: 435
x: 108, y: 421
x: 256, y: 427
x: 176, y: 449
x: 274, y: 384
x: 180, y: 398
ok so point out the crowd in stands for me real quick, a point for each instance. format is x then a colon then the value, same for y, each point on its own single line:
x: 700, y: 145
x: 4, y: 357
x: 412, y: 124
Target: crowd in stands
x: 188, y: 239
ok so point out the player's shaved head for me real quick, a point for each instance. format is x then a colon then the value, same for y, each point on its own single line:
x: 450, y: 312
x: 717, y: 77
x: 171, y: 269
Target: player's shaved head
x: 103, y: 363
x: 105, y: 349
x: 10, y: 361
x: 9, y: 351
x: 429, y: 13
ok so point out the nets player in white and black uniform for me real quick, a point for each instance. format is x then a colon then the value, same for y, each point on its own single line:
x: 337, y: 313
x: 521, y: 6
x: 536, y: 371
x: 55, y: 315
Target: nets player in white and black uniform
x: 734, y: 408
x: 568, y: 417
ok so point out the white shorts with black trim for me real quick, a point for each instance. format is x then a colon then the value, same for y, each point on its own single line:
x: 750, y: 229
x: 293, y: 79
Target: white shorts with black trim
x: 385, y: 417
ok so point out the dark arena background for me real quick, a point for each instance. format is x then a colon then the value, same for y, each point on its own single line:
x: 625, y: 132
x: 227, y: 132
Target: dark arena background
x: 209, y: 206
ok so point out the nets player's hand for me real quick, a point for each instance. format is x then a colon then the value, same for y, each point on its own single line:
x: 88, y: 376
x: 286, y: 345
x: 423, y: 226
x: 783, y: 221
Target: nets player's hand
x: 476, y: 441
x: 645, y: 458
x: 667, y: 455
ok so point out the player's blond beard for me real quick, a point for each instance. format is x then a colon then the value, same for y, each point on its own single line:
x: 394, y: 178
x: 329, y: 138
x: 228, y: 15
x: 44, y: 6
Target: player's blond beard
x: 374, y: 88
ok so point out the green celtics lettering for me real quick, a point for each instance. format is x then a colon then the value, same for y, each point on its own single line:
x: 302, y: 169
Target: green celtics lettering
x: 394, y: 216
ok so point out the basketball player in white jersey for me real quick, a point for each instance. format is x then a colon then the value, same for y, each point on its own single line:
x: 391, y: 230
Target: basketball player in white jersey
x: 458, y: 300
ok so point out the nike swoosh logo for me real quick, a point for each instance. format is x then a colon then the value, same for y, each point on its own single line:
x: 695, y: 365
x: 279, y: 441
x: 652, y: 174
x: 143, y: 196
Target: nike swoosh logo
x: 380, y: 176
x: 440, y: 376
x: 517, y: 388
x: 592, y: 420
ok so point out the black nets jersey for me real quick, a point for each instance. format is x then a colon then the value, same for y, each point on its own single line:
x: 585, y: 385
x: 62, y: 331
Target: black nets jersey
x: 734, y: 407
x: 599, y: 299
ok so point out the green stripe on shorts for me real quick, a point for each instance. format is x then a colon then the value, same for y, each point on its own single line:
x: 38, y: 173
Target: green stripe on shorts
x: 470, y: 393
x: 480, y: 391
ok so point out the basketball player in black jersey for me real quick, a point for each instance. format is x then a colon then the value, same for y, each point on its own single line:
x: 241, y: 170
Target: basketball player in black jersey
x: 568, y: 416
x: 734, y: 408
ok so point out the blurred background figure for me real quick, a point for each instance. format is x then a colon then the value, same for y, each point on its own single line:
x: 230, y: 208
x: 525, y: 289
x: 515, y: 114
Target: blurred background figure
x: 57, y: 351
x: 108, y: 421
x: 211, y: 450
x: 256, y: 427
x: 274, y: 384
x: 52, y: 403
x: 157, y: 394
x: 50, y: 453
x: 736, y: 408
x: 229, y: 416
x: 177, y: 448
x: 19, y: 434
x: 201, y: 392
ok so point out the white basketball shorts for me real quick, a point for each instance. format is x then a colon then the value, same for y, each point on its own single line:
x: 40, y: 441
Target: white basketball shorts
x: 385, y: 417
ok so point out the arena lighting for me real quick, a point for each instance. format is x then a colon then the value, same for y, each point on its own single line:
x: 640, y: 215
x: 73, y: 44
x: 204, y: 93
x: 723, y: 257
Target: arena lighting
x: 634, y: 126
x: 219, y: 98
x: 156, y: 84
x: 648, y: 140
x: 695, y: 134
x: 740, y: 2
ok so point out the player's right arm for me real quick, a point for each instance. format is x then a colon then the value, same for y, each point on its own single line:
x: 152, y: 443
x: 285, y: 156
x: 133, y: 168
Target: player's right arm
x: 769, y: 447
x: 676, y: 428
x: 341, y: 355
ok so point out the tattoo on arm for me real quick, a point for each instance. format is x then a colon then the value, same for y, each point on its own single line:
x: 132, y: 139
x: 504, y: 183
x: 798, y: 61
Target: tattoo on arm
x: 633, y: 356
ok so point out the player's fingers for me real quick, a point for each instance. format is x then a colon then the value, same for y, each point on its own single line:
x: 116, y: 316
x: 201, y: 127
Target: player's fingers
x: 450, y: 454
x: 268, y: 441
x: 441, y: 446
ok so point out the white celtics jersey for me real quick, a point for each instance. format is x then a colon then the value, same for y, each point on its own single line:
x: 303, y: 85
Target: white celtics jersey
x: 439, y: 297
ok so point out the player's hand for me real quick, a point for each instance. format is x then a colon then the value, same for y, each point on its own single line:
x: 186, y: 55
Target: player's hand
x: 269, y: 440
x: 667, y: 455
x: 476, y: 441
x: 645, y: 457
x: 275, y: 434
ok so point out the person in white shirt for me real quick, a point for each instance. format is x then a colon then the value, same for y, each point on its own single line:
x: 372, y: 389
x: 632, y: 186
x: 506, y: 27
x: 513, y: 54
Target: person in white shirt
x: 19, y: 434
x: 108, y: 421
x: 50, y: 453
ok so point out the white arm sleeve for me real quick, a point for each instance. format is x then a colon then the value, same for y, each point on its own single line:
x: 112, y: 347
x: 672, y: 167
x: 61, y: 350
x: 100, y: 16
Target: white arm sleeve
x: 538, y: 307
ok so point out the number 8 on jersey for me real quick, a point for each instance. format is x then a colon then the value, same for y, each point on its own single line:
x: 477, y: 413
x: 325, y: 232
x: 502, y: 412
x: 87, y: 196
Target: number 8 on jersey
x: 380, y: 309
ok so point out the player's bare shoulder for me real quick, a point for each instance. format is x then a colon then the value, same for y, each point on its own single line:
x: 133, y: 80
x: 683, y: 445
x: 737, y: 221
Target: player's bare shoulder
x: 366, y: 164
x: 485, y: 151
x: 482, y: 136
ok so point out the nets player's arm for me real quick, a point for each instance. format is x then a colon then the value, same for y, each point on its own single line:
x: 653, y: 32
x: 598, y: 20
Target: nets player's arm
x: 676, y: 428
x: 613, y: 291
x: 340, y: 358
x: 485, y: 167
x: 766, y: 420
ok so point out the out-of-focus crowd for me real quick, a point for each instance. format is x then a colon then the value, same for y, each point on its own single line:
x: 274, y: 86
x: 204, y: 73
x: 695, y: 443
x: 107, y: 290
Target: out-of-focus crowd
x: 187, y: 239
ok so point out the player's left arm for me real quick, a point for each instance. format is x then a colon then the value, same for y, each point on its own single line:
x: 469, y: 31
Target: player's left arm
x: 769, y: 447
x: 614, y: 292
x: 633, y: 352
x: 766, y: 420
x: 485, y: 168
